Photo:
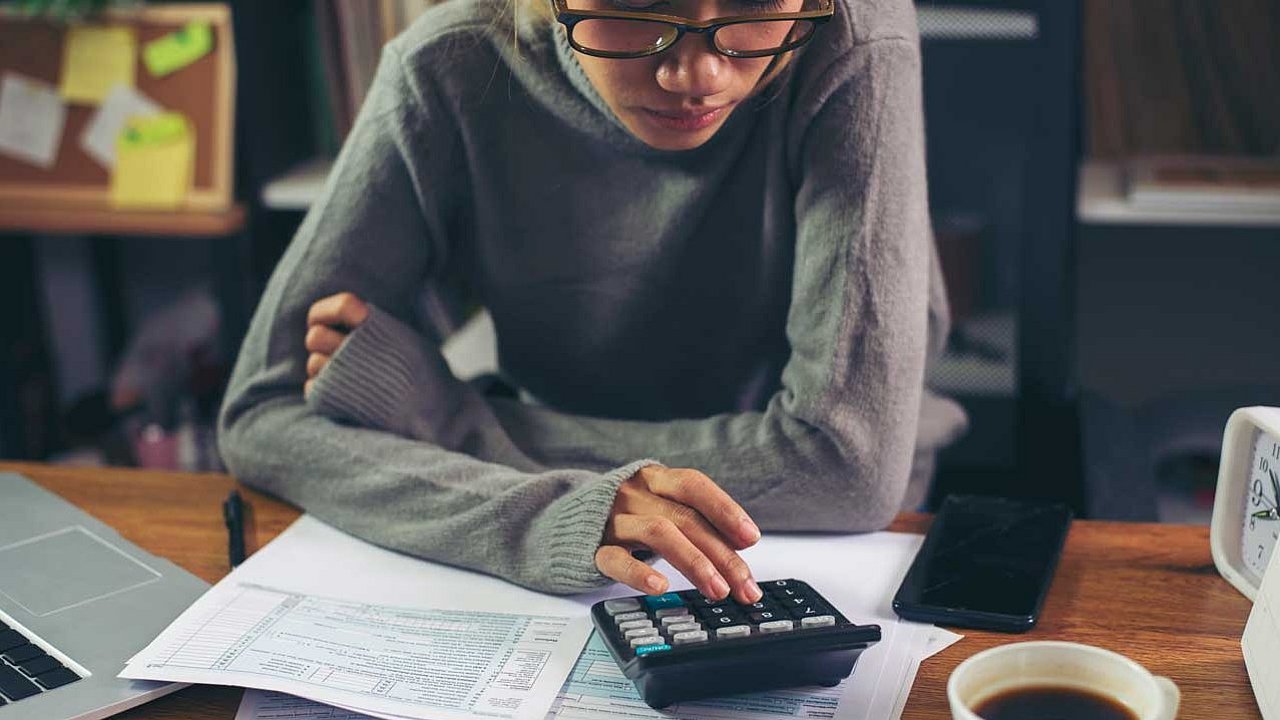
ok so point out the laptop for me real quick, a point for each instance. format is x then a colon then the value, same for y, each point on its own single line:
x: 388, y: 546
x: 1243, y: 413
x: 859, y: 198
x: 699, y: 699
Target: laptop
x: 76, y: 602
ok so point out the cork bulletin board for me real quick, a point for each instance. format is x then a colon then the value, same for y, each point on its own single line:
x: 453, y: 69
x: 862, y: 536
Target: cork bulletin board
x: 204, y: 92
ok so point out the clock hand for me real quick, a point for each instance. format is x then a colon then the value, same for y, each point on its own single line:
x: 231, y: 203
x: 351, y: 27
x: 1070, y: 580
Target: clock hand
x: 1275, y: 485
x: 1271, y: 514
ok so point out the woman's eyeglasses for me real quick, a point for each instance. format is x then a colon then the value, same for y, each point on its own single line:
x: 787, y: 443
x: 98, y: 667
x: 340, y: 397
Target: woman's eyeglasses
x: 596, y: 28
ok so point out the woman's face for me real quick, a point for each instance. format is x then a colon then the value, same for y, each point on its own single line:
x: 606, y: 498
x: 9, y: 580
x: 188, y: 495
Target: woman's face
x: 679, y: 98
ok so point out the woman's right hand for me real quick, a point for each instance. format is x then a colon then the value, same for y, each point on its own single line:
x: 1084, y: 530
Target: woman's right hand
x: 682, y: 515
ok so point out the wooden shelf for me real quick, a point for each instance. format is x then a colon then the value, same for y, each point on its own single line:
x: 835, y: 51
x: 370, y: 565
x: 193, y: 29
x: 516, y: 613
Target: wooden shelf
x: 298, y: 188
x: 100, y: 220
x: 1102, y: 202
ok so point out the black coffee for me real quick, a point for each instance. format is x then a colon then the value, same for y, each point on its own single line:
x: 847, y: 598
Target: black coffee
x: 1052, y: 703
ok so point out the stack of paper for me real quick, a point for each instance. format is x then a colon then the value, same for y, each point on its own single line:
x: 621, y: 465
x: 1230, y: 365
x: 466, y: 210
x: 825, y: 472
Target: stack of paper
x: 323, y: 616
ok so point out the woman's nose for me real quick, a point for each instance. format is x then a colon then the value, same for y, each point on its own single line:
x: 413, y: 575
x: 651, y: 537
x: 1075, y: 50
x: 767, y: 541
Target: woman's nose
x: 693, y: 68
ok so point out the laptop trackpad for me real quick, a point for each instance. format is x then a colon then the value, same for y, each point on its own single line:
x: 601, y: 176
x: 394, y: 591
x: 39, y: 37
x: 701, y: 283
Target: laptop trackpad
x: 66, y: 569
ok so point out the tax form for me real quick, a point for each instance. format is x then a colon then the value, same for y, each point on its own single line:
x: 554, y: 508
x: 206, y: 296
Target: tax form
x: 328, y: 617
x: 861, y: 581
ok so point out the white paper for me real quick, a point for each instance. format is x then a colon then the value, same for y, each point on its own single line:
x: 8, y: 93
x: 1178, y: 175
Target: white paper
x: 859, y: 574
x: 32, y: 116
x: 597, y: 690
x: 323, y: 615
x: 99, y: 137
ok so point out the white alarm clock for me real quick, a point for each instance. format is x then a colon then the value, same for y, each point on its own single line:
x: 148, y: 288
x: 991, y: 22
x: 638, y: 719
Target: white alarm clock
x: 1246, y: 518
x: 1260, y: 643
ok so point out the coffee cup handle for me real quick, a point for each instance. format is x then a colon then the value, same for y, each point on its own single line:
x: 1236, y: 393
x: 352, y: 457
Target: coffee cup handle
x: 1172, y: 698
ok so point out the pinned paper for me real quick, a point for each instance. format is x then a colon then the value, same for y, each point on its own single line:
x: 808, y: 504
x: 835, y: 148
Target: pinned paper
x: 179, y: 49
x: 32, y: 116
x: 95, y: 60
x: 155, y: 162
x: 122, y: 103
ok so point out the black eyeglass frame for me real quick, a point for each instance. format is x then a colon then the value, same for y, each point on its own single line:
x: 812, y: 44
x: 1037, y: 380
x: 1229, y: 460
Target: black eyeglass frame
x: 570, y: 18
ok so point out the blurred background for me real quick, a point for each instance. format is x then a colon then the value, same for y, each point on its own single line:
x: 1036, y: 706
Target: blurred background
x: 1104, y: 179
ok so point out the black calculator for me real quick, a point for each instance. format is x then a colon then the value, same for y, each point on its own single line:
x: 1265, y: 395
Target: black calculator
x: 684, y: 646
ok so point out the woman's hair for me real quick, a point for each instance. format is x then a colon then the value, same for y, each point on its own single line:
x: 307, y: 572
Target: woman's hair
x: 540, y: 9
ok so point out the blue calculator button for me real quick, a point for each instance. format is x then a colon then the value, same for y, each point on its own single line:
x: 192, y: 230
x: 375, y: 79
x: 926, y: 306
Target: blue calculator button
x: 648, y: 649
x: 669, y: 600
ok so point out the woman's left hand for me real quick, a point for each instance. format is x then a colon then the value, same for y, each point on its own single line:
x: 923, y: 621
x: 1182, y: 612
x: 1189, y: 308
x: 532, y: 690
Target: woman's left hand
x: 329, y: 321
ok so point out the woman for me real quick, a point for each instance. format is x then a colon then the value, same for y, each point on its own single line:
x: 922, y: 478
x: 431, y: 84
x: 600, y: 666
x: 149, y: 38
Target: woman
x: 708, y: 260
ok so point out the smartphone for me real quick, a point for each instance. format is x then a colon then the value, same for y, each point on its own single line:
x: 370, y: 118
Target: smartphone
x: 986, y: 563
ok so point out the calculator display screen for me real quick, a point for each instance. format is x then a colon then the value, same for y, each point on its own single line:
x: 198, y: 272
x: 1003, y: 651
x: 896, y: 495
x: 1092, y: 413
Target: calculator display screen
x: 987, y: 555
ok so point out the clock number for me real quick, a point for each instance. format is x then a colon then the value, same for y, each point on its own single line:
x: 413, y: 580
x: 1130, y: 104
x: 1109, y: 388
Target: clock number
x: 1275, y: 450
x: 1263, y: 465
x: 1261, y: 548
x: 1257, y: 492
x: 1253, y: 522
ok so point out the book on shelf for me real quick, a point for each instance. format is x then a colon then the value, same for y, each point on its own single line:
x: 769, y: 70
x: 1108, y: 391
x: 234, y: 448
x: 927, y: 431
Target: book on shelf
x: 1209, y: 182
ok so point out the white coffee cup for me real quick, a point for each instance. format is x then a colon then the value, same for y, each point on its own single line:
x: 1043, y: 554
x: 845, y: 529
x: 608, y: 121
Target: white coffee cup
x: 1060, y: 664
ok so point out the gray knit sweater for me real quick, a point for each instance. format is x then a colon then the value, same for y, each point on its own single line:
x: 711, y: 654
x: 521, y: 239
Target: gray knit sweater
x: 760, y: 308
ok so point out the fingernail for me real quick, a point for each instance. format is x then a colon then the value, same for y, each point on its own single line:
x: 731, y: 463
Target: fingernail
x: 719, y: 588
x: 750, y: 533
x: 753, y: 591
x: 654, y: 584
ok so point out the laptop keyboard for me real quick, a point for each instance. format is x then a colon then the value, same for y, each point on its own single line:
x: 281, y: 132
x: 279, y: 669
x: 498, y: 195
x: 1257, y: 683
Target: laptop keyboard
x: 26, y: 669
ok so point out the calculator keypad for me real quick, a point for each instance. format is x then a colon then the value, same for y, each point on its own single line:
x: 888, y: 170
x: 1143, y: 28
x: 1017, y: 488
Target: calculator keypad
x: 658, y: 623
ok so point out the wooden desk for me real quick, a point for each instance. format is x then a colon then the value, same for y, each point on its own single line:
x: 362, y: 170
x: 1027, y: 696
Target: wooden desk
x: 1148, y: 591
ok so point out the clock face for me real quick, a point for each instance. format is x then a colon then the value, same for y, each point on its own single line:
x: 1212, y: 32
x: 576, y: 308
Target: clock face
x: 1262, y: 505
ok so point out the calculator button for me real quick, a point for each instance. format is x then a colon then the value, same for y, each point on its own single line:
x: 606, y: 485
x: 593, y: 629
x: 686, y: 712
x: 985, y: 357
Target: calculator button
x: 800, y: 613
x: 723, y: 611
x: 698, y: 600
x: 634, y: 624
x: 789, y: 588
x: 676, y: 620
x: 624, y: 605
x: 640, y: 632
x: 767, y: 616
x: 671, y: 612
x: 733, y: 631
x: 628, y: 617
x: 687, y: 627
x: 646, y: 640
x: 650, y: 649
x: 760, y: 606
x: 687, y: 638
x: 667, y: 600
x: 723, y: 620
x: 775, y: 626
x: 818, y: 621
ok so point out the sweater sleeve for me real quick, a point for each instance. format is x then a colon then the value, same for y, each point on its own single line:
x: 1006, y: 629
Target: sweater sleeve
x: 833, y: 448
x: 378, y: 232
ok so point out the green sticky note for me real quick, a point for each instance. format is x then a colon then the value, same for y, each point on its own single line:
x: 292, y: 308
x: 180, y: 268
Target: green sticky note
x: 153, y: 130
x: 178, y: 49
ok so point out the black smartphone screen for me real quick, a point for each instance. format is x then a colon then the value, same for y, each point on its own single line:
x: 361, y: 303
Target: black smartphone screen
x: 985, y: 563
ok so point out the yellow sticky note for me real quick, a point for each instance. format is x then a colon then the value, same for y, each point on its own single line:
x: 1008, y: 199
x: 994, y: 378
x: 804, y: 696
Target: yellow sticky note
x: 155, y: 162
x: 95, y: 59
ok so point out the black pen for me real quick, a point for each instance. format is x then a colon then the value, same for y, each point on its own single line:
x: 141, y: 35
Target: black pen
x: 233, y: 515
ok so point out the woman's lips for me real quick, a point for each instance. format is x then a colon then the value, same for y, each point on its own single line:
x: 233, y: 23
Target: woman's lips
x: 686, y: 121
